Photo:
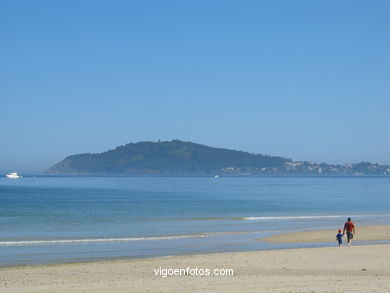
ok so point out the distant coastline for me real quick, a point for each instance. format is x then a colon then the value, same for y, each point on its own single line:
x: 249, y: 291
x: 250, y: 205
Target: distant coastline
x: 179, y: 158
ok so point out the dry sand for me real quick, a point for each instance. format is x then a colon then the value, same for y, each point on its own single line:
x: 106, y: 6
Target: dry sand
x: 356, y: 269
x: 363, y: 233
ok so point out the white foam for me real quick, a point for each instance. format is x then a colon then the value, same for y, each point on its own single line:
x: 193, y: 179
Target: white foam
x: 91, y: 240
x: 306, y: 217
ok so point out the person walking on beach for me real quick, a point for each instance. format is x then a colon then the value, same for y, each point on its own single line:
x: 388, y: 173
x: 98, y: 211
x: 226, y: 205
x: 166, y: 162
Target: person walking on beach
x: 339, y: 238
x: 350, y: 228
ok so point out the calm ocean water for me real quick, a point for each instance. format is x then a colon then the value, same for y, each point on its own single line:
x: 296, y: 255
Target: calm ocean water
x: 61, y: 219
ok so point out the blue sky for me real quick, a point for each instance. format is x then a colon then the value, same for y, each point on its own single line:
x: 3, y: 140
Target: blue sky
x: 307, y: 80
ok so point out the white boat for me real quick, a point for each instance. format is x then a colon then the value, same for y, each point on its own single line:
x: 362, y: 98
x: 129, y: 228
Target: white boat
x: 216, y: 176
x: 13, y: 175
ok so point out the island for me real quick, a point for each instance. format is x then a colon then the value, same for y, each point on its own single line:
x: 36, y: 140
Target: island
x: 180, y: 158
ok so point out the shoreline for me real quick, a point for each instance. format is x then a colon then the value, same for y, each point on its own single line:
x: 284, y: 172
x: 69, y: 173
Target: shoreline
x: 363, y: 233
x: 301, y: 269
x: 281, y: 240
x: 153, y: 257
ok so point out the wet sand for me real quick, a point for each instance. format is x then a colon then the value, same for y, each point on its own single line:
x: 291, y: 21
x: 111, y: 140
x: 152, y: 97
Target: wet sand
x: 363, y: 233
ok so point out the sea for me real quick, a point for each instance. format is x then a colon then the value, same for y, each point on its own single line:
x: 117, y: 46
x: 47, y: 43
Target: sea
x: 69, y: 219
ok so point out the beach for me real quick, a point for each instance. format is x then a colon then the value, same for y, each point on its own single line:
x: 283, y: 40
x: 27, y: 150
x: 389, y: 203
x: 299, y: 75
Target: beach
x: 158, y: 235
x: 329, y: 269
x: 360, y: 268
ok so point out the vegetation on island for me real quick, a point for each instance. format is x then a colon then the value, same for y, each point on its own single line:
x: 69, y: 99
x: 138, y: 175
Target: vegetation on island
x: 186, y: 158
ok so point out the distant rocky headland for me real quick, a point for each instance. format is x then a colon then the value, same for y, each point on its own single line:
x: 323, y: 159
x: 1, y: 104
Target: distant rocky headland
x: 186, y: 158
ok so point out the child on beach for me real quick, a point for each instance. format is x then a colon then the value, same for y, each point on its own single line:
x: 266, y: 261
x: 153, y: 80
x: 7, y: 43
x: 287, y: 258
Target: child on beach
x: 339, y: 238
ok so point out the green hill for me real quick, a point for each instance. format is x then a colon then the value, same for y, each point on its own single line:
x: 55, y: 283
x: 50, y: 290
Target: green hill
x: 165, y: 158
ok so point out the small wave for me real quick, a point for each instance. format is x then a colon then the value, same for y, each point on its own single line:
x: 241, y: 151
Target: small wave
x: 269, y: 218
x: 92, y: 240
x: 305, y: 217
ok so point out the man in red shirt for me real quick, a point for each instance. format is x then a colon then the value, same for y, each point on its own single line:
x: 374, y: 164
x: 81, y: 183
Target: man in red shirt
x: 350, y: 228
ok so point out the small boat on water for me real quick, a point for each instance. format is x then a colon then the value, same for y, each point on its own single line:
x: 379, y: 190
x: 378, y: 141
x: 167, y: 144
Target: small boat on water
x: 13, y: 175
x: 216, y: 176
